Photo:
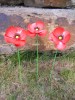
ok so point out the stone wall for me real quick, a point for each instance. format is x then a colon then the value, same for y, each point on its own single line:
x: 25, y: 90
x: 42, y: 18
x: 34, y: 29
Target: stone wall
x: 39, y: 3
x: 11, y: 2
x: 21, y: 16
x: 73, y: 2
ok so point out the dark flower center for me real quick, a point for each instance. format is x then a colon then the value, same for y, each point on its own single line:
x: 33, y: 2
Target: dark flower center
x: 60, y: 37
x: 17, y: 36
x: 36, y: 28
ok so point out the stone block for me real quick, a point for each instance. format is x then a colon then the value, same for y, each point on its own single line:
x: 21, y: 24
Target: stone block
x: 38, y: 3
x: 21, y: 16
x: 11, y: 2
x: 57, y: 3
x: 47, y: 3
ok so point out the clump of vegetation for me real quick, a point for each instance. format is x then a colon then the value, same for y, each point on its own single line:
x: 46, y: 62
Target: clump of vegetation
x: 68, y: 75
x: 60, y: 88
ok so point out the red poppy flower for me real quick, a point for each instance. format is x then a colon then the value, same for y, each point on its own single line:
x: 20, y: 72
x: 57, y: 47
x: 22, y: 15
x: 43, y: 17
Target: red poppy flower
x: 60, y: 37
x: 36, y: 28
x: 16, y: 36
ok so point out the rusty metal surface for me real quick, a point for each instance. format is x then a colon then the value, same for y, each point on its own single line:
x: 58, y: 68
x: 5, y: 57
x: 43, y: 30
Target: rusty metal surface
x: 20, y: 16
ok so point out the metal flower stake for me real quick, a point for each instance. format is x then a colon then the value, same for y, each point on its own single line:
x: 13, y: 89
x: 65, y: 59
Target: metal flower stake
x: 59, y: 37
x: 16, y: 36
x: 37, y: 29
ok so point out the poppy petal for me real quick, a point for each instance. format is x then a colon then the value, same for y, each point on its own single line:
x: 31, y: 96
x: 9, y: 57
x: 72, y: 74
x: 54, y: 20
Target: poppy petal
x: 40, y: 24
x: 54, y: 39
x: 21, y: 32
x: 8, y: 39
x: 17, y: 43
x: 58, y: 31
x: 10, y: 32
x: 61, y: 46
x: 42, y: 33
x: 20, y: 43
x: 13, y: 41
x: 31, y: 27
x: 66, y: 36
x: 31, y: 34
x: 13, y: 31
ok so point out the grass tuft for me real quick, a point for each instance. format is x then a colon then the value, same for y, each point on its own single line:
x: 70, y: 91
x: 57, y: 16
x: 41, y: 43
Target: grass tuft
x: 63, y: 76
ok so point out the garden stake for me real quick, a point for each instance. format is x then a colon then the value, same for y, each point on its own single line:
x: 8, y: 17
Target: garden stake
x: 37, y: 58
x: 36, y: 29
x: 16, y: 36
x: 19, y: 66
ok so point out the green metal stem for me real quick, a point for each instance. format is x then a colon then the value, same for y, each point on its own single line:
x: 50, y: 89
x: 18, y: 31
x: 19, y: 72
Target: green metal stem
x: 19, y: 66
x: 37, y: 59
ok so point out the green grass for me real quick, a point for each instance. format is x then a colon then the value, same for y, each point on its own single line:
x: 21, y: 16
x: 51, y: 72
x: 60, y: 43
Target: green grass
x: 63, y: 76
x: 31, y: 55
x: 68, y: 75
